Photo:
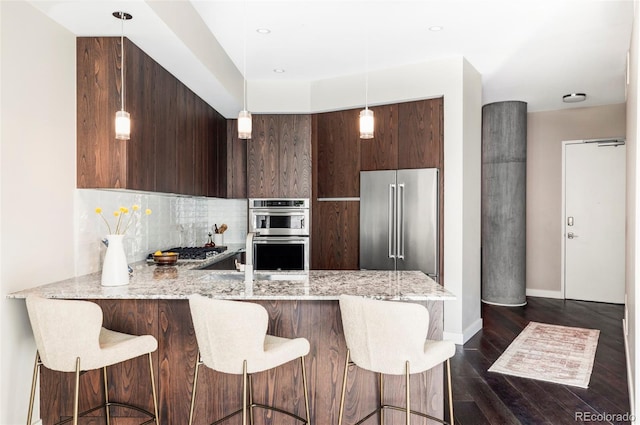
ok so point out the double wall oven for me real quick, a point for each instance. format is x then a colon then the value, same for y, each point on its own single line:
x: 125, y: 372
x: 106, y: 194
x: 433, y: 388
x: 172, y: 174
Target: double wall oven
x: 281, y: 228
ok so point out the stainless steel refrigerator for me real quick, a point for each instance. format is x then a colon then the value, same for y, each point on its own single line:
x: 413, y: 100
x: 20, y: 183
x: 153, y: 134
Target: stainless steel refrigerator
x: 399, y: 220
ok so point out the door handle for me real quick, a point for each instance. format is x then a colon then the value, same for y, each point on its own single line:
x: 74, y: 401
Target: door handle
x: 569, y: 221
x: 400, y: 219
x: 571, y: 235
x: 392, y: 219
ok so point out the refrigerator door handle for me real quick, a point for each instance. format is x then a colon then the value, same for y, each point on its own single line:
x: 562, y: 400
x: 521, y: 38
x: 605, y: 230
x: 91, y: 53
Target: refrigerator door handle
x: 392, y: 220
x: 400, y: 221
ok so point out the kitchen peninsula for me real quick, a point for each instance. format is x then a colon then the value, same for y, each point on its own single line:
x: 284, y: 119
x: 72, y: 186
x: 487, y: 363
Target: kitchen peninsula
x: 299, y: 305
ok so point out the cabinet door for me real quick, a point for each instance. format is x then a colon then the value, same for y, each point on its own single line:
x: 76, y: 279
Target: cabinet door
x: 335, y: 235
x: 294, y: 143
x: 185, y: 140
x: 100, y: 157
x: 262, y: 158
x: 381, y: 152
x: 236, y: 167
x: 338, y: 147
x: 141, y: 147
x: 165, y: 104
x: 420, y: 137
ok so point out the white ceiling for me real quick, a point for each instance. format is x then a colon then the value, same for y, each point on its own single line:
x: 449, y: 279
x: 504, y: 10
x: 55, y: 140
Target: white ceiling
x: 529, y: 50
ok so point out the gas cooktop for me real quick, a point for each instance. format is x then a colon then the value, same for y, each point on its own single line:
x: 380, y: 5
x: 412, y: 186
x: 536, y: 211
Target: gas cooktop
x: 193, y: 253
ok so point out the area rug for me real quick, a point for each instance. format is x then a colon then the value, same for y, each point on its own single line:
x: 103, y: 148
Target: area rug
x: 551, y: 353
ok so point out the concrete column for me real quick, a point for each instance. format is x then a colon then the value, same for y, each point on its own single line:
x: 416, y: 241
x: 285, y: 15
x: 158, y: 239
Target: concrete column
x: 504, y: 156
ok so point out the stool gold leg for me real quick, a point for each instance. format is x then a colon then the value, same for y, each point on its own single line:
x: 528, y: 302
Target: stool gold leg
x: 153, y: 390
x: 193, y: 392
x: 305, y: 390
x: 344, y: 389
x: 408, y: 394
x: 106, y: 395
x: 451, y: 418
x: 381, y: 398
x: 34, y: 381
x: 250, y: 400
x: 244, y: 392
x: 76, y: 393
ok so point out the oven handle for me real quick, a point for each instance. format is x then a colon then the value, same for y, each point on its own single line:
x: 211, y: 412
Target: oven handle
x: 280, y: 239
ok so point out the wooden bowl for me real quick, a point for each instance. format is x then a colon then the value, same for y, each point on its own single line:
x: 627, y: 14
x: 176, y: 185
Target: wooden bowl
x: 165, y: 259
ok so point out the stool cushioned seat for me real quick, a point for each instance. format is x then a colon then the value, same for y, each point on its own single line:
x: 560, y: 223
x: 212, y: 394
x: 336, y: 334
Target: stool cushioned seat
x: 390, y: 338
x: 230, y: 332
x: 232, y: 338
x: 70, y: 338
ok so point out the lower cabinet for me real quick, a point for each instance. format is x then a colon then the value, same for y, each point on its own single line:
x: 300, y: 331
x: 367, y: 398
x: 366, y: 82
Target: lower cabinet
x: 335, y: 238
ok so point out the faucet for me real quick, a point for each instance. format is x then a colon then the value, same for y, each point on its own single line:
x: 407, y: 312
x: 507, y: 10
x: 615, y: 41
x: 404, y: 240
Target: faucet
x: 248, y: 266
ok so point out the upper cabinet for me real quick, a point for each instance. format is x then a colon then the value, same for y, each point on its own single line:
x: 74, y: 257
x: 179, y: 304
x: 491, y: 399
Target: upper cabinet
x: 178, y: 142
x: 279, y: 156
x: 407, y: 135
x: 337, y: 163
x: 420, y: 134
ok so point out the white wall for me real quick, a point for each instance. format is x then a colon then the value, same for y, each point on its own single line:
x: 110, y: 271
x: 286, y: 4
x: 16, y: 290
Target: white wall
x: 37, y: 175
x: 545, y: 133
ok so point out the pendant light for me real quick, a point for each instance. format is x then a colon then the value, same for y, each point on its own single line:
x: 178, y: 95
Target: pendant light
x: 123, y: 119
x: 366, y: 115
x: 244, y: 117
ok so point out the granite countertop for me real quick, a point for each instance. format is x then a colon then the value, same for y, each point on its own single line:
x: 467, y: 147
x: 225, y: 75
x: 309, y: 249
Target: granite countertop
x: 154, y: 282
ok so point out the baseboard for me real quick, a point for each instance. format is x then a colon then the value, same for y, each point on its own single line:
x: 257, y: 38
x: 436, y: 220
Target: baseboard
x: 545, y: 293
x: 461, y: 338
x: 629, y: 373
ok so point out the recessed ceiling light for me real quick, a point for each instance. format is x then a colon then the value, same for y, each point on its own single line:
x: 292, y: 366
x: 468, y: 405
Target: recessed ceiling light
x: 263, y: 31
x: 436, y: 28
x: 574, y: 97
x: 278, y: 70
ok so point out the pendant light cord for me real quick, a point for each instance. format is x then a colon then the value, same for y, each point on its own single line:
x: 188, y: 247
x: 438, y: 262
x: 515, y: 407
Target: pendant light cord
x: 122, y: 60
x: 366, y: 69
x: 244, y: 57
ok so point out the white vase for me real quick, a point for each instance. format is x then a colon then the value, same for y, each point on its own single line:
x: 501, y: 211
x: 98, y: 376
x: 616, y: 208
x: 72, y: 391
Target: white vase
x: 115, y: 270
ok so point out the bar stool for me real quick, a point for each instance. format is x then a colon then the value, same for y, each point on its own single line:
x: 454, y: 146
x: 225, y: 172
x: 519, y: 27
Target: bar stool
x: 232, y: 338
x: 70, y: 338
x: 389, y: 337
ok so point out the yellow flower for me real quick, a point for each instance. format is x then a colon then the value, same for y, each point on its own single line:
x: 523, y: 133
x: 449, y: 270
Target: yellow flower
x: 121, y: 226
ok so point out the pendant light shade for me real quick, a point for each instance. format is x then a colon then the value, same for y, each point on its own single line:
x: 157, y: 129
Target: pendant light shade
x: 123, y: 119
x: 123, y: 125
x: 244, y: 125
x: 366, y: 124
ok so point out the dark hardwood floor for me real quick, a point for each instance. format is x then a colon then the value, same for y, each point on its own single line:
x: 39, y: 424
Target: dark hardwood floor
x: 482, y: 397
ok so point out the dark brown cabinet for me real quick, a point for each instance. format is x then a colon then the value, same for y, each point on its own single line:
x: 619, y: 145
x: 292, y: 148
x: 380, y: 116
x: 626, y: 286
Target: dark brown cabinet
x: 236, y: 154
x: 420, y: 135
x: 279, y: 157
x: 337, y: 162
x: 335, y: 238
x: 407, y: 135
x: 178, y: 142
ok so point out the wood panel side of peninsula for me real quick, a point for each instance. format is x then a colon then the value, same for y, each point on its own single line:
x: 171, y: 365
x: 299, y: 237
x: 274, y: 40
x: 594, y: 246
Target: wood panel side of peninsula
x: 219, y: 394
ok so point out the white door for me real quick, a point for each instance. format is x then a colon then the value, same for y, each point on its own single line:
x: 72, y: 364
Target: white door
x: 594, y: 221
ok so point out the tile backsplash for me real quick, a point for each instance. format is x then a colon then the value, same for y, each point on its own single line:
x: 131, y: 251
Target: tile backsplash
x: 174, y: 221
